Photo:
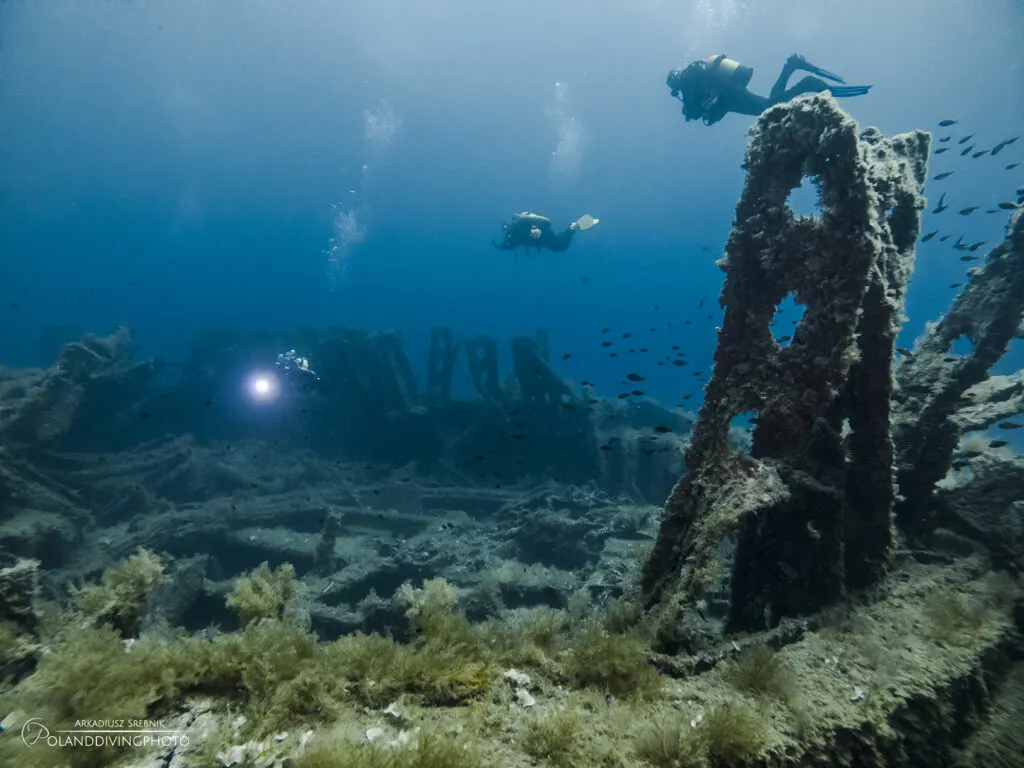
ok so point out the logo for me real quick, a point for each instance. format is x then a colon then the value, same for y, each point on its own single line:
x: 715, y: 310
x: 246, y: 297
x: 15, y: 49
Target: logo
x: 98, y: 733
x: 33, y: 730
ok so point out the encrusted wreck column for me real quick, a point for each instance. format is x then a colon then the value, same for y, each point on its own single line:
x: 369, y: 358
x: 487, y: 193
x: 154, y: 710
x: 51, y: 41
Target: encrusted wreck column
x: 482, y: 356
x: 933, y: 404
x: 540, y: 385
x: 787, y: 529
x: 543, y: 338
x: 444, y: 352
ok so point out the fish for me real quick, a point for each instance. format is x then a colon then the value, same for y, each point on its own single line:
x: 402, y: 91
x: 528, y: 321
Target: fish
x: 1003, y: 145
x: 943, y: 175
x: 976, y: 155
x: 955, y: 285
x: 968, y: 258
x: 904, y: 351
x: 998, y: 444
x: 784, y: 339
x: 946, y: 123
x: 626, y: 335
x: 567, y: 355
x: 661, y: 430
x: 966, y: 138
x: 1010, y: 425
x: 940, y: 150
x: 966, y: 151
x: 701, y: 304
x: 975, y: 246
x: 942, y: 204
x: 623, y: 395
x: 1009, y: 206
x: 687, y: 397
x: 1011, y: 166
x: 634, y: 377
x: 944, y: 139
x: 968, y: 210
x: 606, y: 330
x: 929, y: 236
x: 637, y: 393
x: 607, y: 343
x: 679, y: 363
x: 605, y: 447
x: 959, y: 244
x: 944, y: 238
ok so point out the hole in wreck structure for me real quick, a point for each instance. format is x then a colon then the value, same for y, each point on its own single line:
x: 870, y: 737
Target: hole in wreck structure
x: 741, y: 431
x: 788, y: 315
x: 961, y: 346
x: 805, y: 199
x: 1013, y: 360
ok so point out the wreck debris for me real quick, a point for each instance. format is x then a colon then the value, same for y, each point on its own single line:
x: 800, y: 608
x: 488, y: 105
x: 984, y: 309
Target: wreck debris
x: 938, y: 395
x: 41, y: 409
x: 786, y: 530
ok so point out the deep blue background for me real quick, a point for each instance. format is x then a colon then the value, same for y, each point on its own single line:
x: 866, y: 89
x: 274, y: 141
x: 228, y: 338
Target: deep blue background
x: 173, y: 165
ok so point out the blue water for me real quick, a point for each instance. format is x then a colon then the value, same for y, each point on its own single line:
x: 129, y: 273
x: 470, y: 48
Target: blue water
x: 179, y: 165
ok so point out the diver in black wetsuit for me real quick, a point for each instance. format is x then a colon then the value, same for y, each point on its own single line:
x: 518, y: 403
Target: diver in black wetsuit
x: 531, y: 230
x: 713, y: 87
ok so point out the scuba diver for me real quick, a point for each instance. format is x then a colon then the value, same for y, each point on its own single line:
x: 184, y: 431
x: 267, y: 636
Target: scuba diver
x: 295, y: 368
x: 713, y: 87
x: 532, y: 230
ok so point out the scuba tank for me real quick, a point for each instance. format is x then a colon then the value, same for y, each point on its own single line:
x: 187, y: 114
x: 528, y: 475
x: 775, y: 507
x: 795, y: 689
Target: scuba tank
x: 727, y: 71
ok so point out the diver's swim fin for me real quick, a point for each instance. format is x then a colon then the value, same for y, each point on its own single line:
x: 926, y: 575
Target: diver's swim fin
x: 842, y: 91
x: 585, y: 222
x: 798, y: 61
x: 807, y: 66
